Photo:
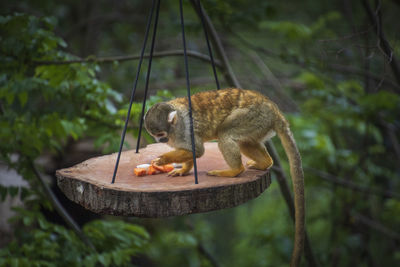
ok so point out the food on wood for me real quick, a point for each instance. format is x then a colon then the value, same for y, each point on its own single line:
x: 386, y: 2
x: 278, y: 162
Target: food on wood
x: 147, y: 169
x: 164, y: 168
x: 168, y: 168
x: 139, y: 172
x: 143, y: 166
x: 151, y: 170
x: 158, y: 168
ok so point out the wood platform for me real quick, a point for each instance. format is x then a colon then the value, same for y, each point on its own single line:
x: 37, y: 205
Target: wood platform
x: 89, y: 184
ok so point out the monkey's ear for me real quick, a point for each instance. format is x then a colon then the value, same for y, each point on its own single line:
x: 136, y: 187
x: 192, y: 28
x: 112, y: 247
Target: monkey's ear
x: 172, y: 117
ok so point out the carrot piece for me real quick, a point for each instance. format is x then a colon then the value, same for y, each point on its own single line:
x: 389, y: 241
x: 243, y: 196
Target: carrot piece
x: 151, y: 170
x: 139, y: 171
x: 158, y: 168
x: 163, y: 168
x: 168, y: 167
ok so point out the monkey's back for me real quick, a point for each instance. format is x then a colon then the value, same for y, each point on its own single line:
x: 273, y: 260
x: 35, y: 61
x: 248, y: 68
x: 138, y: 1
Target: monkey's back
x: 238, y: 109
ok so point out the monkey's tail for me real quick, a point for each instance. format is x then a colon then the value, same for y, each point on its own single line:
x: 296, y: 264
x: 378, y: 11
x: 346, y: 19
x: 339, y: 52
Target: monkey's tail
x: 296, y: 172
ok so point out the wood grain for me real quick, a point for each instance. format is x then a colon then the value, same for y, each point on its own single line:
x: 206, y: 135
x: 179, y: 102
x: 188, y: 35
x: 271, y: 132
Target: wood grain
x: 89, y: 184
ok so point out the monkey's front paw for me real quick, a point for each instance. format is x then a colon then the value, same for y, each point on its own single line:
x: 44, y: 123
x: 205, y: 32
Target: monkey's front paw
x: 178, y: 172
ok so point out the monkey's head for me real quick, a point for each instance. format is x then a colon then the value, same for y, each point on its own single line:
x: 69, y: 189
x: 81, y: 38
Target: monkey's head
x: 158, y: 121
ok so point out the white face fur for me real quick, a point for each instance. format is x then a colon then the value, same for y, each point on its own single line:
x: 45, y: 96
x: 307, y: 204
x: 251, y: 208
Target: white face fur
x: 161, y: 137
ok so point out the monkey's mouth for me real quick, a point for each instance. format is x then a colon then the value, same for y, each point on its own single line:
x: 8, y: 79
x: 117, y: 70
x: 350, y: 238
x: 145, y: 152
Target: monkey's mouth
x: 163, y: 140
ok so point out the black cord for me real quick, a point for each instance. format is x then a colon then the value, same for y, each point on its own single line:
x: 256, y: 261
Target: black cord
x: 201, y: 14
x: 146, y: 35
x: 188, y: 93
x: 148, y: 75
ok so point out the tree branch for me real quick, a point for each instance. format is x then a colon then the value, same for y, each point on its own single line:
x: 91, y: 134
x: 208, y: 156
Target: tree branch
x: 377, y: 226
x: 276, y: 84
x: 112, y: 59
x: 60, y: 209
x: 352, y: 70
x: 353, y: 186
x: 390, y: 128
x: 200, y: 247
x: 336, y: 67
x: 207, y: 255
x: 383, y: 43
x: 229, y: 75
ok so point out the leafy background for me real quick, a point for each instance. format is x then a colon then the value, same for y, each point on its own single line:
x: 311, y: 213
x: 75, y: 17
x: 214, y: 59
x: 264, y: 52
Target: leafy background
x: 325, y: 63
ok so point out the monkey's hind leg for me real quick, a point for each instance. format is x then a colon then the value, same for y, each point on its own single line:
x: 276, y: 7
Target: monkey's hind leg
x: 231, y: 152
x: 186, y: 167
x: 258, y: 154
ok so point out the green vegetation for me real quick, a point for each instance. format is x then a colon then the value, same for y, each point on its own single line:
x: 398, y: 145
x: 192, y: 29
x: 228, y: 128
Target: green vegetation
x: 327, y: 66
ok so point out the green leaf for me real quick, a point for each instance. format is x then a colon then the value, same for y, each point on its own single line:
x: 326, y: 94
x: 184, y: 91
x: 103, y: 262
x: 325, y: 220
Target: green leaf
x: 382, y: 100
x: 104, y: 259
x: 311, y: 80
x: 10, y: 98
x: 23, y: 98
x: 117, y: 257
x: 141, y: 231
x: 90, y: 260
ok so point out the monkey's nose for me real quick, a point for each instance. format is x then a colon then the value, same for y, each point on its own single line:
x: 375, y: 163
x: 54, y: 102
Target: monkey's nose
x: 164, y: 140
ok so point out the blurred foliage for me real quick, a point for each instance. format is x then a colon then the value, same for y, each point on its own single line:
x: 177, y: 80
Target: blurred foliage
x: 64, y: 101
x: 47, y: 244
x: 41, y: 107
x: 330, y: 70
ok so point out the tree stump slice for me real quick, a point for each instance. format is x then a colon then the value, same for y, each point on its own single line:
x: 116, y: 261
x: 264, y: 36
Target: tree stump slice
x: 153, y: 196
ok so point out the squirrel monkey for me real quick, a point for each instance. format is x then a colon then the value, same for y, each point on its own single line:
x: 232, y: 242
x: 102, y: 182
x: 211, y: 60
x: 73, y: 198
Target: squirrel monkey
x: 241, y: 120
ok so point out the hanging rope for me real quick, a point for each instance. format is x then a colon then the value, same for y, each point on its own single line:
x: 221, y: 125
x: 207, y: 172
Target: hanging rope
x: 200, y: 10
x: 146, y: 35
x: 188, y: 93
x: 148, y: 75
x: 201, y: 14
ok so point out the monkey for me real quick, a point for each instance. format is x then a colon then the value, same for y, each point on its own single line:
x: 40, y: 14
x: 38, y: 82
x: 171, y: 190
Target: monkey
x: 242, y: 121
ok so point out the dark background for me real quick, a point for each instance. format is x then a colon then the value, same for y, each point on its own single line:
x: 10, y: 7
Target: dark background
x: 331, y: 66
